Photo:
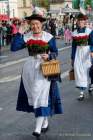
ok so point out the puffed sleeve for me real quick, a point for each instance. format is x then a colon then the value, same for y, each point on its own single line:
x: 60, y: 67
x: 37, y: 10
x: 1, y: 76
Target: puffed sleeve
x: 90, y: 41
x: 18, y: 42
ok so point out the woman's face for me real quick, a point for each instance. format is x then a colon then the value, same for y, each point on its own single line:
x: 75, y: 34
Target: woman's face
x: 36, y: 26
x: 82, y: 23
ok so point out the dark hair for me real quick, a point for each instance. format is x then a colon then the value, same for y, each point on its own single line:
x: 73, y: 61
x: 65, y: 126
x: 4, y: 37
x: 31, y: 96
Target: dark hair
x: 82, y: 17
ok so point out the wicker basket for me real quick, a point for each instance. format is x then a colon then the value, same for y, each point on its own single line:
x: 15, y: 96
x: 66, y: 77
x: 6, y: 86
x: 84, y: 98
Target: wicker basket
x: 51, y: 67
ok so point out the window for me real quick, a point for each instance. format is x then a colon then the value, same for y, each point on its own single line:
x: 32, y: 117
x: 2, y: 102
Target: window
x: 25, y: 14
x: 24, y: 3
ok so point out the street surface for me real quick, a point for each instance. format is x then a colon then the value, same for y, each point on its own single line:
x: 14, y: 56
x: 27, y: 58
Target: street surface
x: 75, y: 124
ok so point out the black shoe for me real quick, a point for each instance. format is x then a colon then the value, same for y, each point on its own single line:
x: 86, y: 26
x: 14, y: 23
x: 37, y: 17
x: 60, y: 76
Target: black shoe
x: 90, y: 89
x: 80, y: 98
x: 90, y: 92
x: 44, y: 130
x: 36, y: 134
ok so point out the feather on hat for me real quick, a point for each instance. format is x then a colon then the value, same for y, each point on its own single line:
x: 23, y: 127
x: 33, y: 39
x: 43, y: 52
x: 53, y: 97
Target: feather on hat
x: 38, y: 14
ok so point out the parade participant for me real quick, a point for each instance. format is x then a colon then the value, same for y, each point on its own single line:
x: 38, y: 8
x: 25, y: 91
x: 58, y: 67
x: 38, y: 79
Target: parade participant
x: 82, y: 47
x: 67, y: 36
x: 91, y: 68
x: 37, y: 94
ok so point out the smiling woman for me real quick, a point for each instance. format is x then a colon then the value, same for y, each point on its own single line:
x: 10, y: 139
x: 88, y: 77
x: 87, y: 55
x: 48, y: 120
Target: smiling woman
x: 36, y: 26
x: 37, y: 93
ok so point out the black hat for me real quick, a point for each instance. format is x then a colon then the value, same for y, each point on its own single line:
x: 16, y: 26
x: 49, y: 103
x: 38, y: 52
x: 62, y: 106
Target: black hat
x: 82, y: 17
x: 38, y: 14
x: 37, y: 17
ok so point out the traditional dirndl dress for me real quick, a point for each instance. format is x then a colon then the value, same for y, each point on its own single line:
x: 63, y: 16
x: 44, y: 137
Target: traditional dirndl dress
x: 38, y: 94
x: 82, y: 62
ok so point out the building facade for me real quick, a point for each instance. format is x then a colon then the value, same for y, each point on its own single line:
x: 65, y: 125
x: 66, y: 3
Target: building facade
x: 80, y: 3
x: 3, y: 7
x: 16, y: 8
x: 55, y: 5
x: 24, y: 8
x: 12, y: 8
x: 9, y: 7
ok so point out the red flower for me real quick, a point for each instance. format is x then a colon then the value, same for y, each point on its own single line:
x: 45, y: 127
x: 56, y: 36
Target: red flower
x: 81, y: 40
x: 37, y: 46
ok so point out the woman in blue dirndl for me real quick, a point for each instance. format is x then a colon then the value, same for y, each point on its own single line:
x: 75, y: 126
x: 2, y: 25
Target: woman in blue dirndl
x: 37, y: 94
x: 82, y: 53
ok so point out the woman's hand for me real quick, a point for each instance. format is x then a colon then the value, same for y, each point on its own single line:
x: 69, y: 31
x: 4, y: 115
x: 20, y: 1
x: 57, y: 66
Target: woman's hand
x: 44, y: 56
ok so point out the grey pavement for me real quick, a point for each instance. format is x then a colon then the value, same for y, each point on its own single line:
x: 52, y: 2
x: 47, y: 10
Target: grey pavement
x: 76, y: 122
x: 45, y: 137
x: 7, y: 55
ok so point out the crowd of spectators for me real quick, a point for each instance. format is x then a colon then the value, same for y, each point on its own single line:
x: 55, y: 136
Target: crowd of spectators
x: 8, y: 29
x: 56, y: 27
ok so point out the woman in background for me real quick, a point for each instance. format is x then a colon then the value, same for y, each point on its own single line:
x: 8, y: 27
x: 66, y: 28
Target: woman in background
x: 82, y: 51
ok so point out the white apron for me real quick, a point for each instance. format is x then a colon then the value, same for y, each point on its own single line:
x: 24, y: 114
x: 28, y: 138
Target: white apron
x: 36, y: 85
x: 81, y: 66
x: 82, y: 63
